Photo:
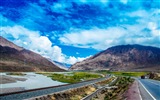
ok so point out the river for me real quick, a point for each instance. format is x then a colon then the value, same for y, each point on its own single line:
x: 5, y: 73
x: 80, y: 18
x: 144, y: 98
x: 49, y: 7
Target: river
x: 33, y: 81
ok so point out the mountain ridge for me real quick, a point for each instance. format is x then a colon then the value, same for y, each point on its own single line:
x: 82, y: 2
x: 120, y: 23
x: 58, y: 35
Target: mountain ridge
x: 62, y: 65
x: 5, y: 43
x: 123, y: 57
x: 15, y: 58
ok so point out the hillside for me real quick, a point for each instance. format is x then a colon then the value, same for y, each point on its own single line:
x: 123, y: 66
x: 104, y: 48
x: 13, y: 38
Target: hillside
x: 62, y: 65
x: 15, y: 58
x: 124, y: 58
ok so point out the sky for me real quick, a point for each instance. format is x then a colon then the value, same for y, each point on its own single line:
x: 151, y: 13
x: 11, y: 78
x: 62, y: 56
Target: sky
x: 69, y: 31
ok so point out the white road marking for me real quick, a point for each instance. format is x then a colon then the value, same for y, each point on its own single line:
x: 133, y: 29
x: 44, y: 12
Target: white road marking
x: 147, y: 90
x: 139, y: 94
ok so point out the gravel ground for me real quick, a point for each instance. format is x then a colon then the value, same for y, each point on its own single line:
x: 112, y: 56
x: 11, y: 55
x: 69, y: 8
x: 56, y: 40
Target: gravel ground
x: 8, y: 90
x: 133, y: 92
x: 8, y: 79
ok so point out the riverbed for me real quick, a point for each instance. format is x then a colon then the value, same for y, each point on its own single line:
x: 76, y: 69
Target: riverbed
x: 32, y: 81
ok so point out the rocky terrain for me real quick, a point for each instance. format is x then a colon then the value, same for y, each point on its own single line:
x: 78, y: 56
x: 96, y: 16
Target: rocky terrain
x: 10, y: 90
x: 123, y: 58
x: 15, y: 58
x: 8, y: 79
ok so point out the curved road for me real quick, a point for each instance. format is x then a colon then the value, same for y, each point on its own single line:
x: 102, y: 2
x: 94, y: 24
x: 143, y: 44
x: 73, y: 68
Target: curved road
x: 31, y: 94
x: 150, y: 89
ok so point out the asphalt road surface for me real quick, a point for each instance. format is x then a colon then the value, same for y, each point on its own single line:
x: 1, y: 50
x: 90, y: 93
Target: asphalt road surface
x: 150, y: 89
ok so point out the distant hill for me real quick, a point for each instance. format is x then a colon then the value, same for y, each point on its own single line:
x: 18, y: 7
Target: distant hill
x: 123, y: 58
x: 15, y: 58
x: 62, y: 65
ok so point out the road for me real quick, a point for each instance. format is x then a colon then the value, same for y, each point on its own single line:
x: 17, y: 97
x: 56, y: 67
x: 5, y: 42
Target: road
x: 35, y: 93
x: 150, y: 89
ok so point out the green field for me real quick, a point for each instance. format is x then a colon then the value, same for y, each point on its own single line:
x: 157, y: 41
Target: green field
x: 72, y: 77
x: 16, y: 73
x: 121, y: 73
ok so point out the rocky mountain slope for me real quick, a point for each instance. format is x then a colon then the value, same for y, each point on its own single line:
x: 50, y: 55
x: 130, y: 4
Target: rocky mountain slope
x: 123, y: 57
x: 15, y: 58
x: 62, y: 65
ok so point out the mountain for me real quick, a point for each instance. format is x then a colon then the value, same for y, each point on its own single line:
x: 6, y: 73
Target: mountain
x: 15, y: 58
x: 123, y: 58
x: 62, y: 65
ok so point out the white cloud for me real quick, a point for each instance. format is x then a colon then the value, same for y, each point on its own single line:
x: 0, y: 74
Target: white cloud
x: 73, y: 59
x: 60, y: 7
x: 139, y: 13
x: 152, y: 25
x: 124, y: 1
x: 17, y: 31
x: 105, y: 2
x: 101, y: 39
x: 144, y: 30
x: 40, y: 42
x: 59, y: 56
x: 32, y: 40
x: 95, y: 38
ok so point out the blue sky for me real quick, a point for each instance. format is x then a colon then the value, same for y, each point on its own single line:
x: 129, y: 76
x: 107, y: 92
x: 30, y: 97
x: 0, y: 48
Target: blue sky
x: 72, y: 30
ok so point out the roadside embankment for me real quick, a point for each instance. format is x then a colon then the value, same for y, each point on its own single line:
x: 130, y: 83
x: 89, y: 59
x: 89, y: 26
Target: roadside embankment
x: 117, y: 93
x: 74, y: 94
x: 133, y: 92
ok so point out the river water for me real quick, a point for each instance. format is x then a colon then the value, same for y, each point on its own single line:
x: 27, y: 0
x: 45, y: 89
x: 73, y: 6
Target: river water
x: 33, y: 81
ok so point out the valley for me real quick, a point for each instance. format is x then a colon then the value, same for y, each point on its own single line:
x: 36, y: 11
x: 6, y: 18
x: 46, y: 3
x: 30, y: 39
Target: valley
x: 111, y: 74
x: 102, y: 85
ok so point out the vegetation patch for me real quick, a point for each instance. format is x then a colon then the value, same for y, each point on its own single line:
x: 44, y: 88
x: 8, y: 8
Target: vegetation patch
x: 121, y: 84
x: 105, y: 82
x: 73, y: 94
x: 121, y: 73
x: 73, y: 77
x: 16, y: 73
x: 154, y: 75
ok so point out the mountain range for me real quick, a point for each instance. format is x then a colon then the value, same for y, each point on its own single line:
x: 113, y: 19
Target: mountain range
x: 117, y: 58
x: 15, y: 58
x: 123, y: 58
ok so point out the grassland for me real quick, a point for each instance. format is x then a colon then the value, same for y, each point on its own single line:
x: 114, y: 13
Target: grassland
x: 16, y: 73
x: 105, y: 82
x: 121, y: 73
x: 72, y: 77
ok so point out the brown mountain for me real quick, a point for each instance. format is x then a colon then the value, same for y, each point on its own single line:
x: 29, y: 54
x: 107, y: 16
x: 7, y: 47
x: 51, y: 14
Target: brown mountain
x: 123, y: 57
x: 15, y: 58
